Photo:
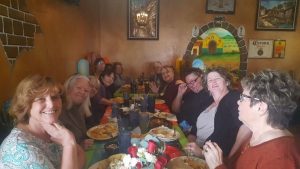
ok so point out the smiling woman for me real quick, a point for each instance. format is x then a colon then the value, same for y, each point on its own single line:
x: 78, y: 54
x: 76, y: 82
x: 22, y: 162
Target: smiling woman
x: 38, y: 137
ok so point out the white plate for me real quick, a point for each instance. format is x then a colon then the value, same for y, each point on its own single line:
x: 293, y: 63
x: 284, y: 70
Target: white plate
x: 164, y: 133
x: 104, y: 164
x: 103, y: 131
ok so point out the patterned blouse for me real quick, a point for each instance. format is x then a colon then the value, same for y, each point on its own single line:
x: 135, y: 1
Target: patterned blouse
x: 22, y: 150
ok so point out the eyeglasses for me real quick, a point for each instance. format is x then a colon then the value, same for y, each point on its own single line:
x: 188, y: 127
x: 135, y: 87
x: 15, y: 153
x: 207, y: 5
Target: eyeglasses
x: 243, y: 96
x: 192, y: 82
x: 213, y: 80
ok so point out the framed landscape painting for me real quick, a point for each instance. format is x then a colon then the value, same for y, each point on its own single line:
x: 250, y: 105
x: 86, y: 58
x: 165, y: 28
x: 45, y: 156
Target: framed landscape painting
x: 276, y: 15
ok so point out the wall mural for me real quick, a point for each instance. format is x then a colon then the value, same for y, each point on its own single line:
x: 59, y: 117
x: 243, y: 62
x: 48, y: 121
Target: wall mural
x: 17, y: 28
x: 217, y: 44
x: 214, y: 47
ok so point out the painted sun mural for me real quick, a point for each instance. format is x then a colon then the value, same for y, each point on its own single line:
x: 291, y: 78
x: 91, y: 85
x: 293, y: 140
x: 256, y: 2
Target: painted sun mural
x: 216, y: 47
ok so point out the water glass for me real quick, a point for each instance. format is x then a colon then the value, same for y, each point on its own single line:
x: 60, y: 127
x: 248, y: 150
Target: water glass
x: 134, y: 118
x: 124, y: 139
x: 144, y: 122
x: 126, y: 99
x: 151, y: 104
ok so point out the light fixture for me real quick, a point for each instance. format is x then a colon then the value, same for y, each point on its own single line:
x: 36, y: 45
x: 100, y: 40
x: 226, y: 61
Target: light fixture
x: 142, y: 18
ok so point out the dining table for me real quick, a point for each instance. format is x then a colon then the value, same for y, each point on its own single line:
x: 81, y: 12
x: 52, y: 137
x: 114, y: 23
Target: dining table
x: 97, y: 152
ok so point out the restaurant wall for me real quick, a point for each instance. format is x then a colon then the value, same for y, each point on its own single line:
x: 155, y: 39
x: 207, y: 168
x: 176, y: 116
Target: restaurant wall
x: 69, y: 32
x: 177, y: 18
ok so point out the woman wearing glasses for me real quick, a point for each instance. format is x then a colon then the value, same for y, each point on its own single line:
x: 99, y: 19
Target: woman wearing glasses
x: 218, y: 122
x: 265, y: 107
x: 191, y: 100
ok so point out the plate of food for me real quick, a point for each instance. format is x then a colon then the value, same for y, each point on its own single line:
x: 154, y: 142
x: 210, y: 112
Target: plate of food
x: 108, y: 163
x: 119, y: 100
x: 159, y: 101
x: 103, y: 131
x: 187, y: 163
x: 165, y: 115
x: 165, y: 133
x: 156, y: 122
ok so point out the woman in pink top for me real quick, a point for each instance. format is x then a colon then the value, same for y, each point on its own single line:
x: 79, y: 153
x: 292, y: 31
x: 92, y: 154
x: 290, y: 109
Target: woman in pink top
x: 265, y: 107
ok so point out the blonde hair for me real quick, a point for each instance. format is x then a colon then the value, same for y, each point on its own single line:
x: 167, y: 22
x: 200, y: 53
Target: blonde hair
x: 94, y: 82
x: 68, y: 103
x: 28, y: 89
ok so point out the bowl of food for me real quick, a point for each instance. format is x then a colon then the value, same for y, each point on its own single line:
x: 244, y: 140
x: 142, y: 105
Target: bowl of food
x: 111, y: 148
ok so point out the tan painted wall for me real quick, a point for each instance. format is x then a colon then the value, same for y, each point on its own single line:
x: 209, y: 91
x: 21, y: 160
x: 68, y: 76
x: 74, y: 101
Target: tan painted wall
x: 177, y: 18
x: 70, y: 32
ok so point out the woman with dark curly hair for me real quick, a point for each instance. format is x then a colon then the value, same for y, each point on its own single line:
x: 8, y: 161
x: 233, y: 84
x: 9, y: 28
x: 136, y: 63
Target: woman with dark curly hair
x: 265, y: 107
x: 219, y: 121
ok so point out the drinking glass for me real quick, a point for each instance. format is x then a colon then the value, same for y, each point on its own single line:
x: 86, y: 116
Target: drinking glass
x: 144, y: 122
x: 124, y: 139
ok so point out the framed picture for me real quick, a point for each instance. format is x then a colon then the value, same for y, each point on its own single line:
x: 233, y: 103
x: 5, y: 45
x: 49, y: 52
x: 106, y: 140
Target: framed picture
x: 260, y: 49
x: 276, y: 15
x: 143, y: 20
x: 279, y: 48
x: 220, y: 6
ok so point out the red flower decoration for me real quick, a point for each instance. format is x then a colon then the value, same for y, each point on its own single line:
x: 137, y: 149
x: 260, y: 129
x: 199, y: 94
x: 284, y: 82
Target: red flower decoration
x: 138, y: 165
x: 151, y: 146
x: 132, y: 150
x: 161, y: 162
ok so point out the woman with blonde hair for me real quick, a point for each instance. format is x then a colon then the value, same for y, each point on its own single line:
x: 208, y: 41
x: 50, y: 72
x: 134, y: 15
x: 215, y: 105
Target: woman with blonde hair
x: 76, y: 107
x: 38, y: 140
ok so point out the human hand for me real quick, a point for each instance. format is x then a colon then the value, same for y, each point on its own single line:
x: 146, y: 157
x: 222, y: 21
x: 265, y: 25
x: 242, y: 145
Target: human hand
x: 59, y: 134
x: 191, y: 138
x: 154, y: 88
x: 213, y: 154
x: 193, y: 148
x: 87, y: 143
x: 182, y: 89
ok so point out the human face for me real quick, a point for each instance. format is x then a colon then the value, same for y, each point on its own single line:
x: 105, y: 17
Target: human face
x: 119, y: 69
x: 108, y: 79
x: 80, y: 91
x: 194, y: 82
x: 216, y: 84
x: 100, y: 66
x: 45, y: 109
x: 167, y: 74
x: 246, y: 112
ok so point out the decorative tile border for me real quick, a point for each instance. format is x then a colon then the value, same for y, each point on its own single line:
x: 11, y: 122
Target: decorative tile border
x: 220, y: 22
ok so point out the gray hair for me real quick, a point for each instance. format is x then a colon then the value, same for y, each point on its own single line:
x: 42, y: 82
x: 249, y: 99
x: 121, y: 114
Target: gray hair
x: 69, y: 84
x: 278, y: 90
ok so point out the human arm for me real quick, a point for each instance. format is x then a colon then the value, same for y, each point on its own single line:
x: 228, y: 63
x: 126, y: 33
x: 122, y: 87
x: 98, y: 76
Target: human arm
x: 244, y: 134
x: 213, y: 155
x: 64, y: 137
x: 87, y: 143
x: 106, y: 101
x: 192, y: 138
x: 154, y: 88
x: 178, y: 99
x: 194, y: 149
